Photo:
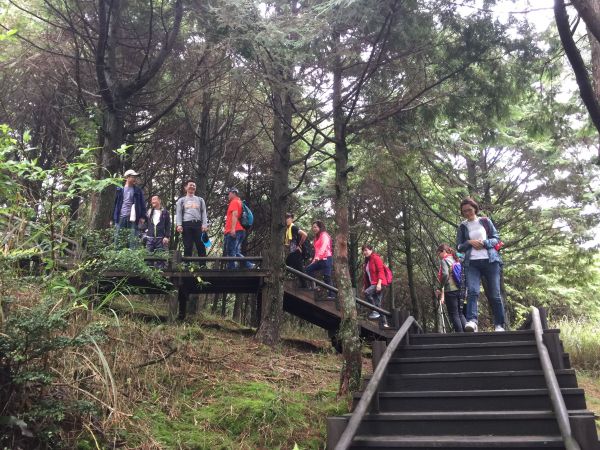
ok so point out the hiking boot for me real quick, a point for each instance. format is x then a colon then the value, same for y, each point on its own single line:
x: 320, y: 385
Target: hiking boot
x: 374, y: 315
x: 499, y: 328
x: 471, y: 327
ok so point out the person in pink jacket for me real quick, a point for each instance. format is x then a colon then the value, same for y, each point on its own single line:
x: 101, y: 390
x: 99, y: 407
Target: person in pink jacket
x: 323, y: 260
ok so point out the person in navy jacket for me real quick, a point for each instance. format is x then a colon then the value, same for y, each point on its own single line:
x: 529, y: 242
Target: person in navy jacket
x: 128, y: 212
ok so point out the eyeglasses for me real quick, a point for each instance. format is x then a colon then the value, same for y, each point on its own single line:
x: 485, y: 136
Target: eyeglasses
x: 468, y: 209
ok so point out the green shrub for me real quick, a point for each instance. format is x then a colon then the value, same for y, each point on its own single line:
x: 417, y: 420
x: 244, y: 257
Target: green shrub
x: 581, y: 339
x: 32, y: 340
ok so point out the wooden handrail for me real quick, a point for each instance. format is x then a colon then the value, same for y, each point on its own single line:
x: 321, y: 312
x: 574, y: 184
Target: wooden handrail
x: 333, y: 289
x: 558, y: 402
x: 221, y: 258
x: 373, y: 387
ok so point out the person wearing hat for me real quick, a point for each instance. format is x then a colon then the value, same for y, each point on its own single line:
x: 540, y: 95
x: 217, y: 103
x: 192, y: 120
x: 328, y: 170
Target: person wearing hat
x: 191, y: 220
x: 128, y: 211
x: 234, y: 231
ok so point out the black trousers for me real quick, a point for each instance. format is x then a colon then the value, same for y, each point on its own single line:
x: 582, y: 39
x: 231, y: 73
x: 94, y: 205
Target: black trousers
x: 192, y: 235
x: 455, y: 310
x: 295, y: 261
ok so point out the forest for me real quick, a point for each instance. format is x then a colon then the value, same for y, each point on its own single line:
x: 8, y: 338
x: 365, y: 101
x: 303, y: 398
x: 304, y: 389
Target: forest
x: 376, y: 117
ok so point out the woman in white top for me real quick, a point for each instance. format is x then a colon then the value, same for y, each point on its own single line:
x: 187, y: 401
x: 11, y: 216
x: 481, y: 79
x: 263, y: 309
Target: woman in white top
x: 478, y: 239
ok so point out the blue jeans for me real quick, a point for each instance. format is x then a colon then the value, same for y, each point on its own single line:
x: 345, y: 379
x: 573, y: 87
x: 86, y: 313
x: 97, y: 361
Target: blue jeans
x: 491, y: 272
x: 325, y: 266
x: 126, y: 231
x: 233, y: 247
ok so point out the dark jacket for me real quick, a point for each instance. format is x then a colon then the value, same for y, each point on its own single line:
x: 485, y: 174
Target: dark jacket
x: 138, y: 202
x: 490, y: 243
x: 163, y: 227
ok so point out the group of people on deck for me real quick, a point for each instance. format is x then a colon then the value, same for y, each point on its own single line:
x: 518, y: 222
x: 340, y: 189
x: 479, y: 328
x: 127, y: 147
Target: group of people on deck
x: 374, y: 277
x: 477, y: 240
x: 191, y: 220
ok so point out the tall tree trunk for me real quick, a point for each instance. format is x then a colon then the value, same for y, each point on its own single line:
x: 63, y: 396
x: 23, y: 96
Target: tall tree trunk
x: 595, y: 46
x: 586, y: 91
x: 114, y: 135
x: 272, y: 297
x: 390, y: 261
x: 471, y: 176
x: 348, y: 334
x: 354, y: 244
x: 202, y: 146
x: 237, y: 307
x: 410, y: 269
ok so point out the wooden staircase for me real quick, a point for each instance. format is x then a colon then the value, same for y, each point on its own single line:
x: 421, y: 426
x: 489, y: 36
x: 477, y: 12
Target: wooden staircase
x: 470, y: 391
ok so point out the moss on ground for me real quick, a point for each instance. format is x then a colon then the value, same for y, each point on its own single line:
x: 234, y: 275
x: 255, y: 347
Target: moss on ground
x: 242, y: 415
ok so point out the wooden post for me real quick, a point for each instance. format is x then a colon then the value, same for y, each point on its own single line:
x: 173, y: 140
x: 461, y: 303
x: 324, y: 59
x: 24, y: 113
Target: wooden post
x: 555, y: 350
x: 584, y: 431
x: 335, y: 428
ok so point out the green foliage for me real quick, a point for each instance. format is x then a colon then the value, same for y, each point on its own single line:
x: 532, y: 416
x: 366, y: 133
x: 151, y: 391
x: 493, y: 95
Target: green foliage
x: 250, y: 415
x: 130, y: 261
x: 581, y: 339
x: 32, y: 340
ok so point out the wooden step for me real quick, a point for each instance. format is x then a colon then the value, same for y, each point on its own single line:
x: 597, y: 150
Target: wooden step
x: 467, y: 349
x: 504, y: 379
x: 475, y: 400
x: 471, y: 423
x: 457, y: 442
x: 448, y: 338
x: 480, y: 363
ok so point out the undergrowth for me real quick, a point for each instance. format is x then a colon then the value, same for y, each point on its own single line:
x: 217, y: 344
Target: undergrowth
x: 103, y: 379
x: 581, y: 339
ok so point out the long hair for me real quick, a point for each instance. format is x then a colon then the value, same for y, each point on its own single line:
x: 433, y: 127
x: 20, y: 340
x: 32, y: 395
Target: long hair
x: 321, y: 226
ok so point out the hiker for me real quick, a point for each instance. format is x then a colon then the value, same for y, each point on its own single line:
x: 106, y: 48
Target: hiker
x: 234, y: 231
x: 478, y: 239
x: 191, y: 220
x: 294, y: 243
x: 374, y: 282
x: 159, y: 228
x: 323, y: 259
x: 128, y: 212
x: 449, y: 286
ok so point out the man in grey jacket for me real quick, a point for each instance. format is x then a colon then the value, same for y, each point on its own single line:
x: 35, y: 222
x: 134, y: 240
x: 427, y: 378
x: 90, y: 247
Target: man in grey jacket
x: 191, y: 220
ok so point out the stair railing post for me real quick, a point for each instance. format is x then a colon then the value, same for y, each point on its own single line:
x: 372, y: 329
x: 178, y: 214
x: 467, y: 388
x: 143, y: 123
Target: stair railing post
x: 378, y: 350
x: 396, y: 318
x: 558, y: 402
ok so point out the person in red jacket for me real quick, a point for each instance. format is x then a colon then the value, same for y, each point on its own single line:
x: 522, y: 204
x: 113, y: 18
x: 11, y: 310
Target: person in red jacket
x: 374, y: 281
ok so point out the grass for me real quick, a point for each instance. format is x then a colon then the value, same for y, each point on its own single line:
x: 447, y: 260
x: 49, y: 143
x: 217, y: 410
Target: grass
x: 591, y: 384
x: 220, y: 389
x: 581, y: 339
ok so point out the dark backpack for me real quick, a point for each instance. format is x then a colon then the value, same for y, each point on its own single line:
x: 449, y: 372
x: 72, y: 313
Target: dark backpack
x: 308, y: 250
x: 247, y: 218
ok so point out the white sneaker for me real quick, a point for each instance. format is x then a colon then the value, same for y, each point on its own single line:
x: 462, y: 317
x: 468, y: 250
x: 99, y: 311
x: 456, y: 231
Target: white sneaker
x: 471, y: 327
x: 499, y: 328
x: 374, y: 315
